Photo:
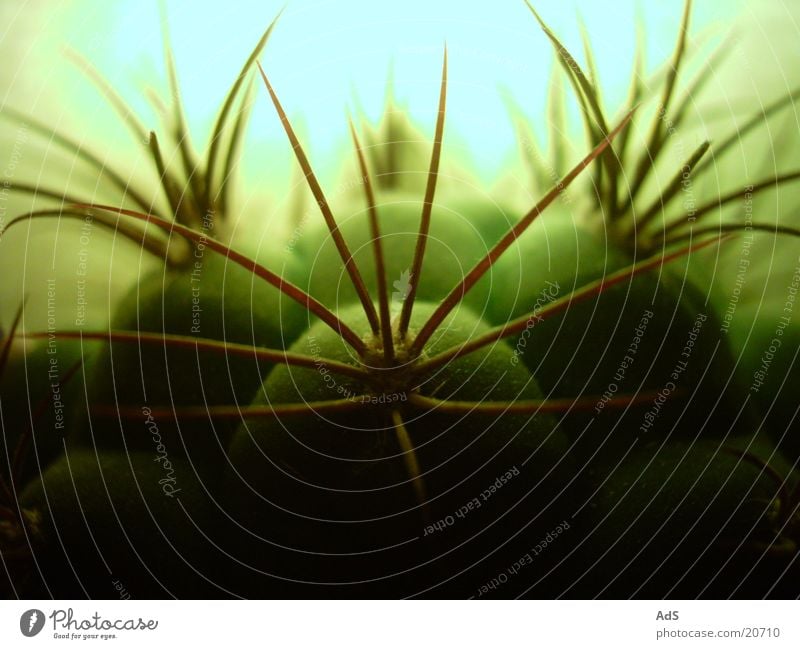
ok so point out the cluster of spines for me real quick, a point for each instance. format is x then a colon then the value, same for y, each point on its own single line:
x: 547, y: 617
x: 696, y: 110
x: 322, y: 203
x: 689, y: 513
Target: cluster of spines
x: 615, y: 190
x: 198, y: 193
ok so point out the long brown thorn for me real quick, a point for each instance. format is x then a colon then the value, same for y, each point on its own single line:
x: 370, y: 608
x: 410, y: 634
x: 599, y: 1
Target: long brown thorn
x: 733, y: 196
x: 586, y: 292
x: 209, y: 345
x: 734, y: 227
x: 330, y: 221
x: 377, y: 248
x: 527, y: 406
x: 142, y: 238
x: 427, y: 206
x: 285, y: 287
x: 480, y: 269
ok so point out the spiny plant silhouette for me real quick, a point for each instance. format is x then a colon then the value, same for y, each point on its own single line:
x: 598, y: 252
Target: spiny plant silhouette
x: 332, y: 454
x: 197, y: 194
x: 614, y: 221
x: 617, y: 193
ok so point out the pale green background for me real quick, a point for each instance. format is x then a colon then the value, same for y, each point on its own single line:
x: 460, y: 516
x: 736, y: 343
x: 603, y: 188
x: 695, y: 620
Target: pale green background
x: 328, y: 56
